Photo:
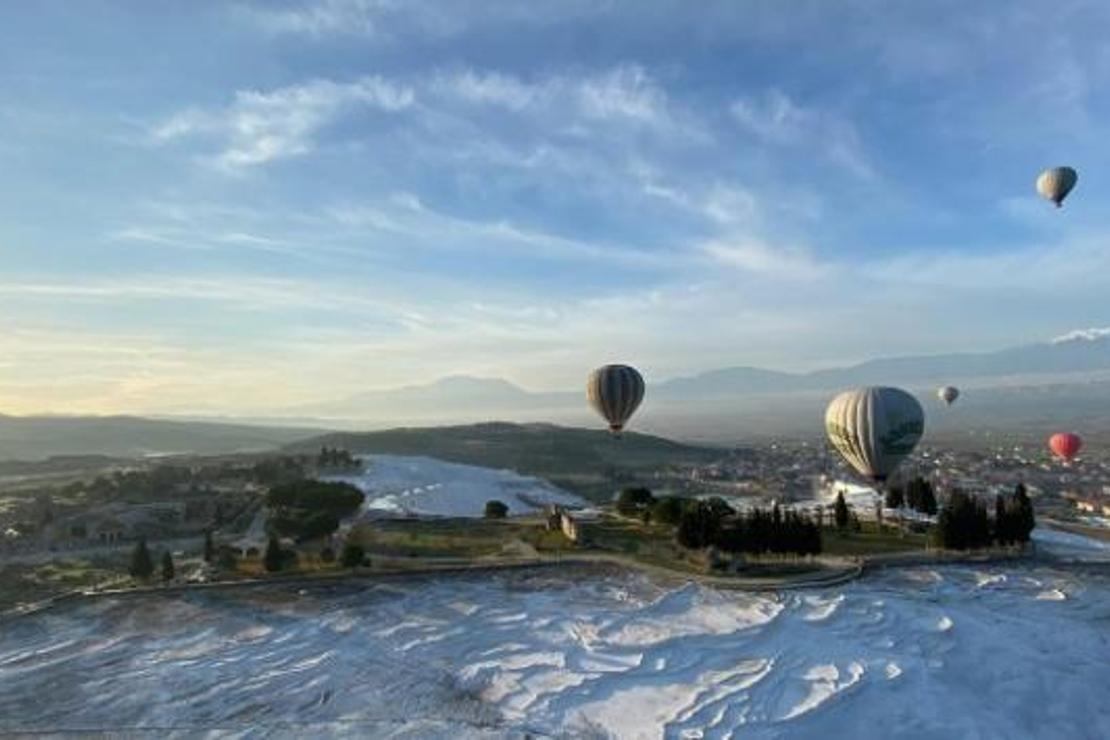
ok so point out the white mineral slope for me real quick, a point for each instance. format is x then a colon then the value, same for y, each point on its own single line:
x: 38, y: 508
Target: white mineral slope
x: 403, y: 485
x: 1071, y: 546
x: 986, y: 652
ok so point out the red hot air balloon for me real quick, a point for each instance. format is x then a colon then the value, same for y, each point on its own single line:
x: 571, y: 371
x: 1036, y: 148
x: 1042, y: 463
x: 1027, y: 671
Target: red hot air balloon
x: 1065, y: 445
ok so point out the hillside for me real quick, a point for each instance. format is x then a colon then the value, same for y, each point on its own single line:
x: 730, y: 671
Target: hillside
x: 39, y: 438
x: 583, y: 460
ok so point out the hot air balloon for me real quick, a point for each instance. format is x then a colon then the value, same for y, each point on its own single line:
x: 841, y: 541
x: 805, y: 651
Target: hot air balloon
x: 948, y: 394
x: 1065, y: 445
x: 1055, y: 183
x: 615, y: 391
x: 874, y: 429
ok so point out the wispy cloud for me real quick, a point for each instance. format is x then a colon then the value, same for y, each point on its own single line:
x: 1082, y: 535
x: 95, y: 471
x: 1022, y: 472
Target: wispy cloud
x: 777, y: 119
x: 625, y: 93
x: 319, y: 19
x: 784, y: 262
x: 405, y: 214
x: 260, y: 127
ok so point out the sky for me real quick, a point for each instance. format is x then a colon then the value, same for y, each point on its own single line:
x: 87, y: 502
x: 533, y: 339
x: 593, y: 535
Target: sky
x: 240, y: 208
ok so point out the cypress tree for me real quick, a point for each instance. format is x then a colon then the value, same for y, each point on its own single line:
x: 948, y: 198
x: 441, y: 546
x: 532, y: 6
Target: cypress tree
x: 894, y: 498
x: 274, y: 558
x: 141, y: 564
x: 1002, y: 529
x: 841, y: 510
x: 928, y: 500
x: 167, y: 566
x: 209, y: 548
x: 1024, y: 520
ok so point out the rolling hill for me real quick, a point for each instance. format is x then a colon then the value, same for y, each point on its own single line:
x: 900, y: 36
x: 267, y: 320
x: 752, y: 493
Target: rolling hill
x: 589, y: 462
x: 42, y: 437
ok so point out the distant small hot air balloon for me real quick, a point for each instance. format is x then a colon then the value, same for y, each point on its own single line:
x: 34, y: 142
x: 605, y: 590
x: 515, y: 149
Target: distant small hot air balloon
x: 1055, y: 183
x: 1065, y: 445
x: 948, y: 394
x: 615, y: 391
x: 874, y: 429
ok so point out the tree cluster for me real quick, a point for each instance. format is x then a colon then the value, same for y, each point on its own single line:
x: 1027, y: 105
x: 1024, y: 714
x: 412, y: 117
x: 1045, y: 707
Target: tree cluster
x: 964, y: 524
x: 918, y: 495
x: 496, y: 509
x: 771, y: 531
x: 336, y: 458
x: 302, y: 524
x: 275, y: 471
x: 308, y: 509
x: 635, y: 501
x: 1013, y: 517
x: 668, y: 510
x: 142, y: 563
x: 353, y: 556
x: 714, y: 523
x: 700, y: 524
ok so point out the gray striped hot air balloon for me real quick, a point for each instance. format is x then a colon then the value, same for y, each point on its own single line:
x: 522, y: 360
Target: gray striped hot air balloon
x: 615, y: 391
x: 948, y: 394
x: 874, y: 429
x: 1055, y: 183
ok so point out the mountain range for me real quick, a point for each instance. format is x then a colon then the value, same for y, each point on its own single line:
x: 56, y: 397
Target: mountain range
x: 1081, y: 359
x: 1028, y: 390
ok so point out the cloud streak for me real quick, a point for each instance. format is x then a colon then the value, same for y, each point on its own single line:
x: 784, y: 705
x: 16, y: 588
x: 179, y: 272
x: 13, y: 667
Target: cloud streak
x: 261, y: 127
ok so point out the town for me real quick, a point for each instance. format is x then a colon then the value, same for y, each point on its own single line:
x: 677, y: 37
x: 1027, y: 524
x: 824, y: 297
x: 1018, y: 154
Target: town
x: 69, y: 524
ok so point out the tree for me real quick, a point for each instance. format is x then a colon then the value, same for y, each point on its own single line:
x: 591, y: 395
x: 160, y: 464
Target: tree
x: 920, y: 496
x: 700, y: 524
x: 141, y: 564
x: 167, y: 566
x: 274, y: 558
x: 1025, y: 521
x: 496, y: 509
x: 894, y: 498
x: 303, y: 525
x: 667, y: 510
x: 209, y: 548
x: 227, y: 557
x: 928, y: 500
x: 963, y: 523
x: 1003, y: 530
x: 841, y: 511
x: 634, y: 500
x: 340, y: 499
x: 353, y: 555
x: 761, y: 531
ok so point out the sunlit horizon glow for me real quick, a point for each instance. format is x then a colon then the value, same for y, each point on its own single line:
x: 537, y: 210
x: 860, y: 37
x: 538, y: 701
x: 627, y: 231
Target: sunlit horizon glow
x: 244, y: 208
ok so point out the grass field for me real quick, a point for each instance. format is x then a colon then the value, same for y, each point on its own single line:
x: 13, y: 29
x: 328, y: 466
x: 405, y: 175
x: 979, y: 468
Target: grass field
x: 870, y: 541
x: 24, y: 584
x: 453, y: 537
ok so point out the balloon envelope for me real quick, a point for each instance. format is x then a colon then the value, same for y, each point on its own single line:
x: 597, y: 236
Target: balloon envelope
x: 615, y: 391
x: 1065, y: 445
x: 948, y: 394
x: 874, y: 428
x: 1055, y: 183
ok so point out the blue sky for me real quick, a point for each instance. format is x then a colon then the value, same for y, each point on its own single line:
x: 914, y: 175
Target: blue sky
x: 239, y: 208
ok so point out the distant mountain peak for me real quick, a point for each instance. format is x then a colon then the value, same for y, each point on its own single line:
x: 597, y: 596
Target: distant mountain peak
x: 1083, y: 335
x: 471, y: 381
